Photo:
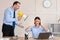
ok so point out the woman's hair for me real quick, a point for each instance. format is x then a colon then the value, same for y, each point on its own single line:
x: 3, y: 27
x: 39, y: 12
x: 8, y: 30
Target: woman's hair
x: 38, y: 19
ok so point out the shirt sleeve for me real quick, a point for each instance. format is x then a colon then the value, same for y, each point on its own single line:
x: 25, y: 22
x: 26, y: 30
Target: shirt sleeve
x: 43, y: 30
x: 16, y: 23
x: 8, y: 17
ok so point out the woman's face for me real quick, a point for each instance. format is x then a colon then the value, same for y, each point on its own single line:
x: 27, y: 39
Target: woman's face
x: 37, y: 22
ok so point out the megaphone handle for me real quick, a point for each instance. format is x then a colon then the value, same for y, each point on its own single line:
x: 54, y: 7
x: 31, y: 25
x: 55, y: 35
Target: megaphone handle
x: 25, y: 18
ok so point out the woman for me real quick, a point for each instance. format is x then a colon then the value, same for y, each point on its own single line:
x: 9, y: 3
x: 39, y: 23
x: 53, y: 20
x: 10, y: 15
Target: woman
x: 37, y: 28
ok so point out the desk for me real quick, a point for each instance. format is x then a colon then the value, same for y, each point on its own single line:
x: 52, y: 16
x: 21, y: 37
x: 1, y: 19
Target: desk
x: 22, y: 38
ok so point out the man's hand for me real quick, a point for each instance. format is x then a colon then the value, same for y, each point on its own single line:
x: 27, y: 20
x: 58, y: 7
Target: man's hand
x: 19, y: 18
x: 21, y: 25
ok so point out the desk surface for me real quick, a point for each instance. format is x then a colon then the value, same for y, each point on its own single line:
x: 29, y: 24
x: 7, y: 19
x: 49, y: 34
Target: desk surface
x: 22, y: 38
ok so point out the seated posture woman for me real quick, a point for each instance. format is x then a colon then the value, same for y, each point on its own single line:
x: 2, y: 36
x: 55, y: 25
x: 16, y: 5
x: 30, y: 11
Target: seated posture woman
x: 37, y: 28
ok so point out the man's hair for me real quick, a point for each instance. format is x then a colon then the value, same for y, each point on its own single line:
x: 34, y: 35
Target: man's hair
x: 37, y: 18
x: 16, y: 2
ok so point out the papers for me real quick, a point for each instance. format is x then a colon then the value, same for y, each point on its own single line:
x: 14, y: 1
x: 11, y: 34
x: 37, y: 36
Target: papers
x: 5, y: 39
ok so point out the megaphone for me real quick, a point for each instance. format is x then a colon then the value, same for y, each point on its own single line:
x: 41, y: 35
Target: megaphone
x: 25, y: 17
x: 20, y: 14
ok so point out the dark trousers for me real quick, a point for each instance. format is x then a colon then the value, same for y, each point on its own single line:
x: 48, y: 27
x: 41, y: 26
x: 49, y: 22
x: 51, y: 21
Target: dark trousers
x: 7, y: 30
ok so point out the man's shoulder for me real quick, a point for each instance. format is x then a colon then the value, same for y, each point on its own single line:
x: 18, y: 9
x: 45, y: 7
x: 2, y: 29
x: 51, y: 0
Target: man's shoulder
x: 8, y: 9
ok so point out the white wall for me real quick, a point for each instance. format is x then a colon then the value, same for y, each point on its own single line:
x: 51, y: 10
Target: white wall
x: 33, y: 8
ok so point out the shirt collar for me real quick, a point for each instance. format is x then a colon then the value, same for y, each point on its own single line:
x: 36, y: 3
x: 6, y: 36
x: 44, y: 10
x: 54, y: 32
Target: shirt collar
x: 12, y: 8
x: 37, y: 27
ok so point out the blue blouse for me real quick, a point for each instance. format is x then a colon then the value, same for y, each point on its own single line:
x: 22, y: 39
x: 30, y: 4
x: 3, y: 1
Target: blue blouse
x: 35, y: 31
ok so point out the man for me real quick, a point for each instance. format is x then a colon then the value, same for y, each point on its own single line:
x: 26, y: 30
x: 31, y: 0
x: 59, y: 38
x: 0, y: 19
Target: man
x: 10, y: 20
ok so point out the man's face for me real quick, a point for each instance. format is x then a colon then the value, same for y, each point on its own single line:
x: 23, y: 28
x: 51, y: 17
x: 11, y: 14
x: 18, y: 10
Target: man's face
x: 17, y: 6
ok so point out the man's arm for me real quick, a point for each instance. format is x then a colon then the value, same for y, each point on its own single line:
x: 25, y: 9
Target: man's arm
x: 18, y: 24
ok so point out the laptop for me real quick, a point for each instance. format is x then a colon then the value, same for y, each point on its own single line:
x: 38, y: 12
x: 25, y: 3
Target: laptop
x: 44, y: 35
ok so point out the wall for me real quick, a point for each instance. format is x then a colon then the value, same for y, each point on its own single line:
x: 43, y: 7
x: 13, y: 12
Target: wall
x: 33, y: 8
